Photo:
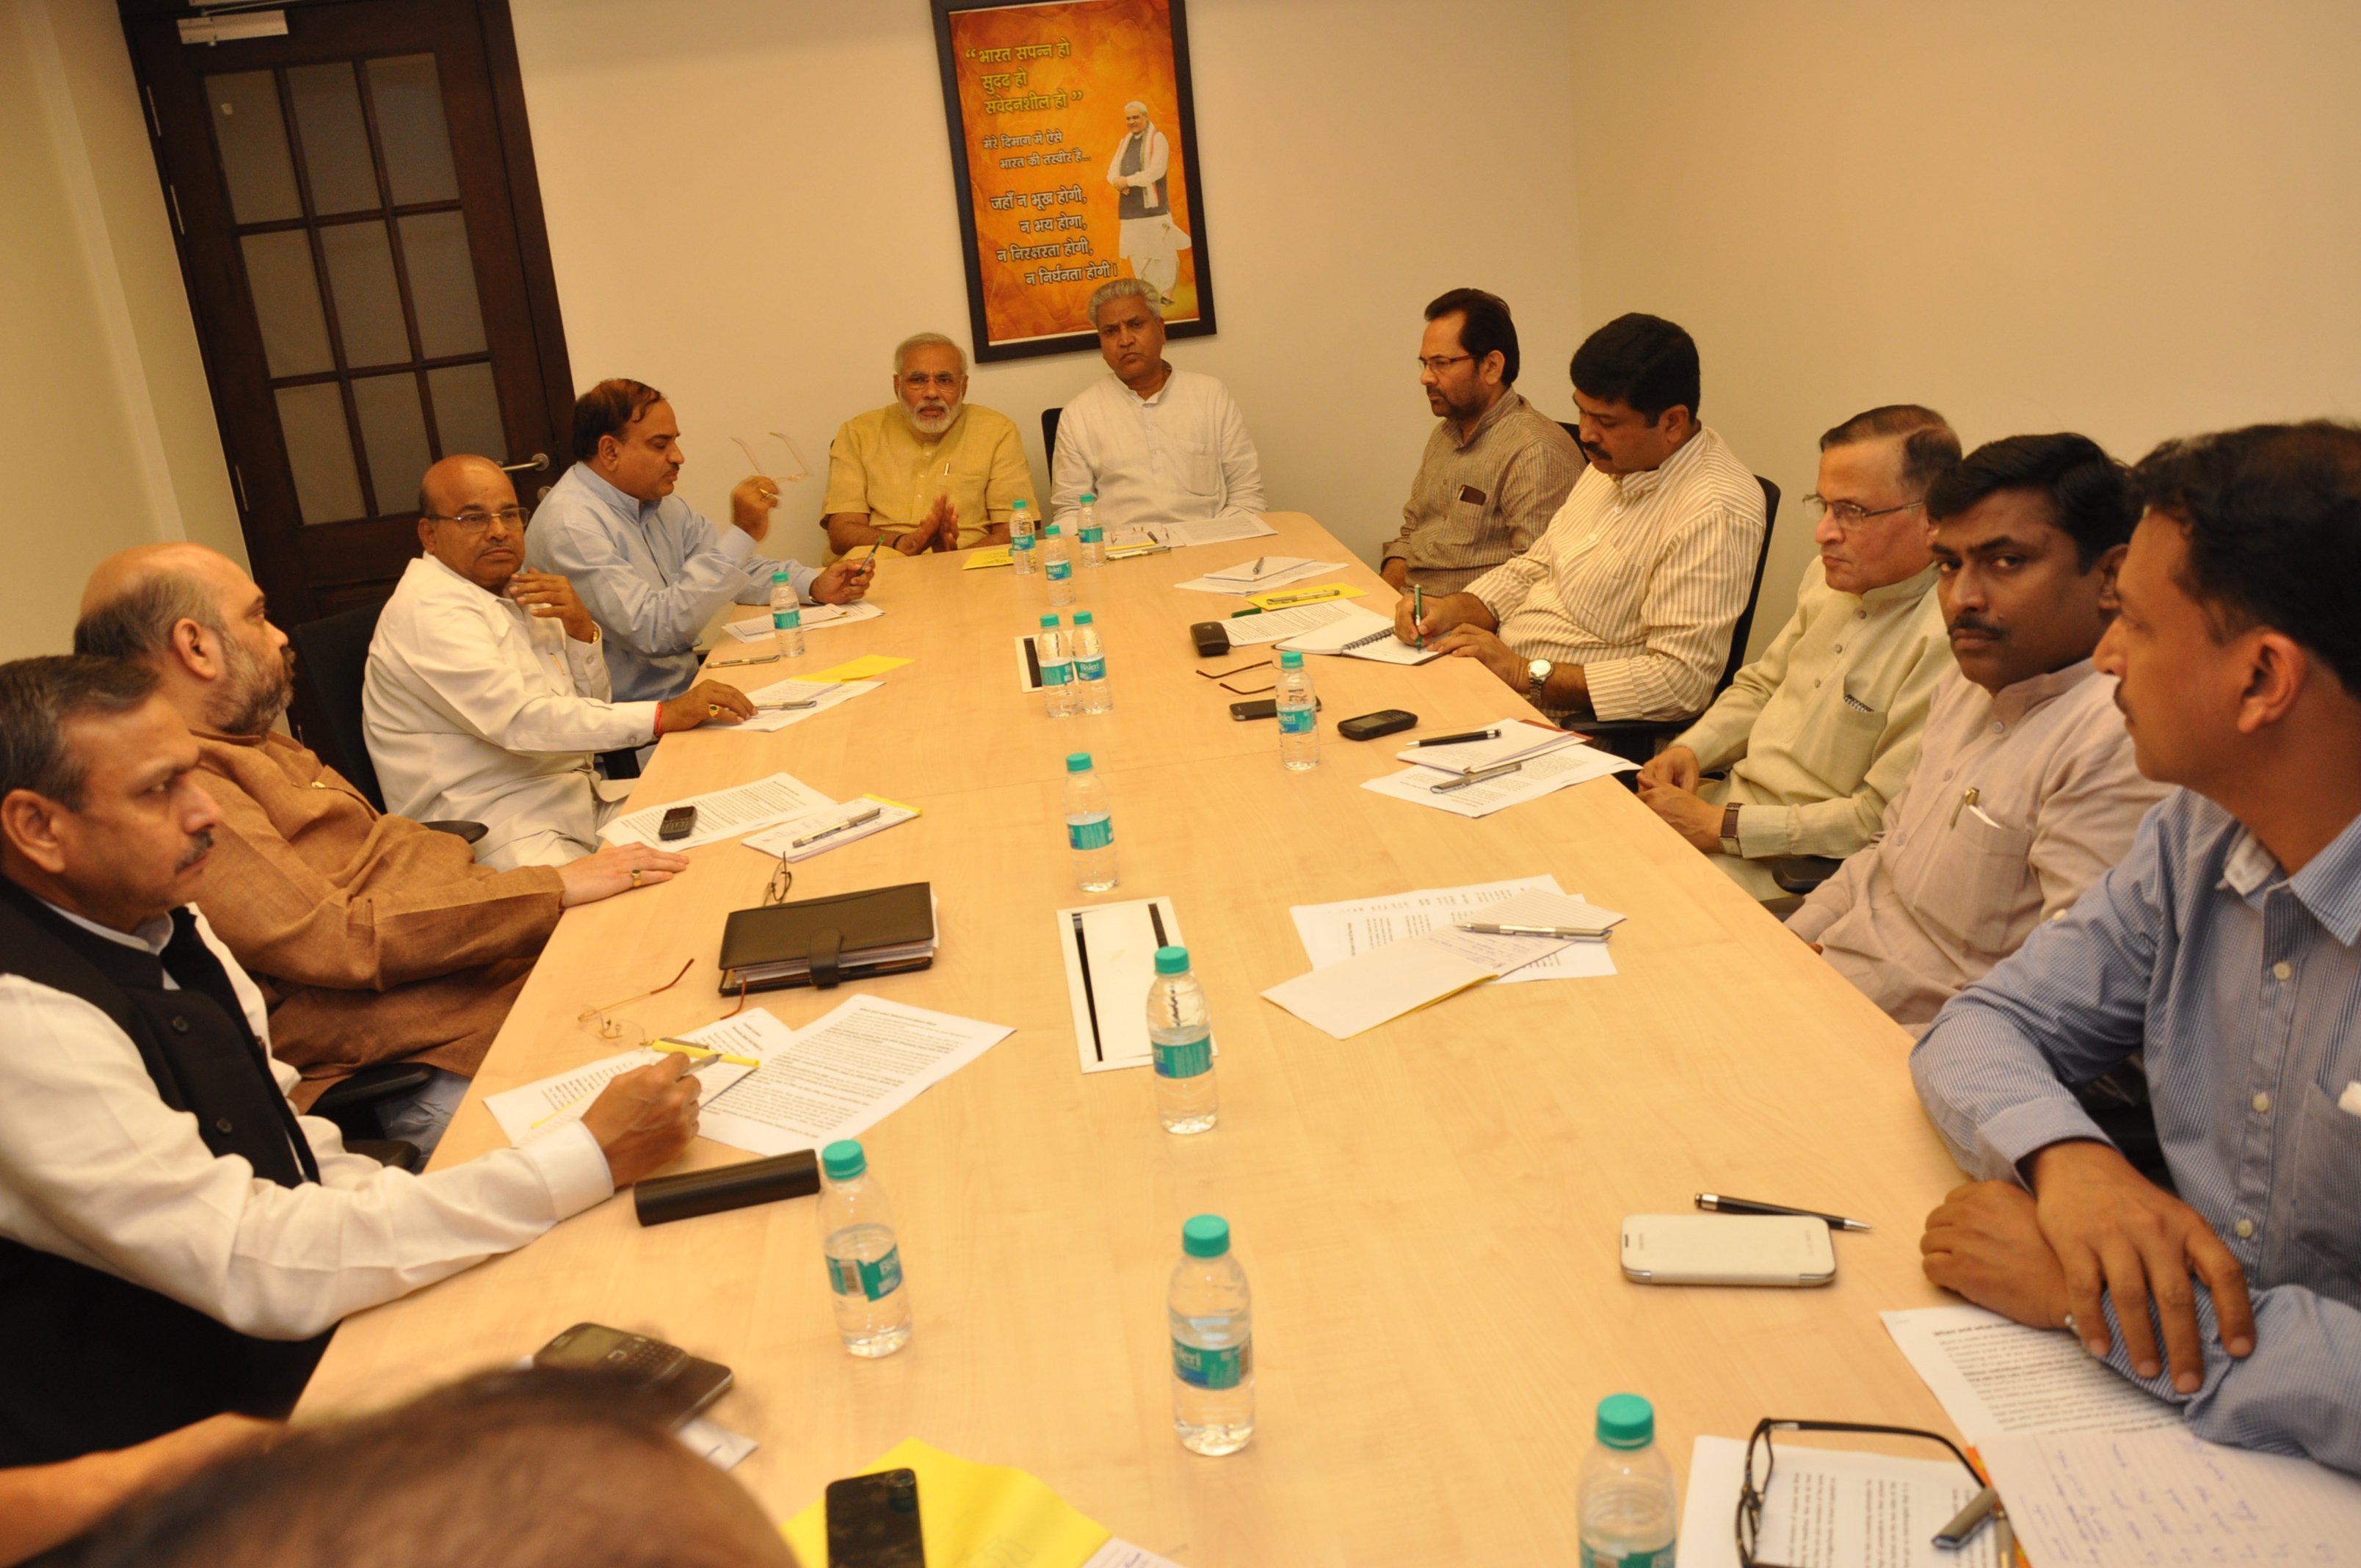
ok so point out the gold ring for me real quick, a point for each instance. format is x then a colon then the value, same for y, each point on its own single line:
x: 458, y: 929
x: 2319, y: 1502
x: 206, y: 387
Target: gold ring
x: 635, y: 876
x: 712, y: 711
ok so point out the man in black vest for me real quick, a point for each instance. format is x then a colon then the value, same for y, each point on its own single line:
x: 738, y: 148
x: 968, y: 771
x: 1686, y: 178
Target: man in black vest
x: 174, y: 1240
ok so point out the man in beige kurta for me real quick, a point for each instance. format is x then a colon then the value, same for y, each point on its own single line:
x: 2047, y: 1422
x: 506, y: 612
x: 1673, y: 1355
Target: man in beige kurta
x: 929, y: 470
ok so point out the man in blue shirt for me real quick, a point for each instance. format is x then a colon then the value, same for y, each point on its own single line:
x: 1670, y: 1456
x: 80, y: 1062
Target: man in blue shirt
x: 2226, y: 947
x: 649, y: 569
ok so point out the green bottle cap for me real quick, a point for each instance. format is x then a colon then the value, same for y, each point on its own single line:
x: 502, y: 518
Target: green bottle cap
x: 1049, y: 622
x: 1626, y: 1420
x: 1049, y: 530
x: 1078, y: 761
x: 780, y: 575
x: 1207, y: 1235
x: 1171, y: 961
x: 843, y: 1160
x: 1082, y: 618
x: 1089, y: 500
x: 1290, y: 658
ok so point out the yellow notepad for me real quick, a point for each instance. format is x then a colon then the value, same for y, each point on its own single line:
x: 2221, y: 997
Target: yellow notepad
x: 970, y: 1514
x: 1284, y: 598
x: 869, y: 666
x: 995, y: 556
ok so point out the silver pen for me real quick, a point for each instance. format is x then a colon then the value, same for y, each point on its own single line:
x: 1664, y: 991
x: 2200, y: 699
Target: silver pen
x: 1564, y: 933
x: 1477, y: 777
x: 869, y: 816
x: 733, y: 664
x: 786, y: 707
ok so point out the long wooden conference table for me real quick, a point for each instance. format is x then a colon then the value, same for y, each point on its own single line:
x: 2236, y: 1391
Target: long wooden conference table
x: 1429, y: 1212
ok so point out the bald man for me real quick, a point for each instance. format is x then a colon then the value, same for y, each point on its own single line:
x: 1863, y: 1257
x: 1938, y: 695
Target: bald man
x: 374, y: 938
x: 487, y: 696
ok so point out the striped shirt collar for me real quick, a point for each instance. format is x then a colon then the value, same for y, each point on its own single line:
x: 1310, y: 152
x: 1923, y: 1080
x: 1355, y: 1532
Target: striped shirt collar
x: 1508, y: 402
x: 1637, y: 487
x: 2329, y: 886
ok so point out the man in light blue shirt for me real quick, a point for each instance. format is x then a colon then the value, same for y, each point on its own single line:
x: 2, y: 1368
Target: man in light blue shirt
x: 2226, y: 947
x: 651, y: 570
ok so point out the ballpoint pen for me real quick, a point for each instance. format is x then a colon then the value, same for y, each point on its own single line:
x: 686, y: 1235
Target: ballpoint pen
x: 1564, y: 933
x: 1479, y: 776
x: 1256, y: 570
x: 1417, y: 614
x: 869, y: 816
x: 786, y: 707
x: 1454, y: 739
x: 1721, y: 1205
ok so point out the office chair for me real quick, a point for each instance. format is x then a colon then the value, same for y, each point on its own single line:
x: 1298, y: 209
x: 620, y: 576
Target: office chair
x: 1049, y: 438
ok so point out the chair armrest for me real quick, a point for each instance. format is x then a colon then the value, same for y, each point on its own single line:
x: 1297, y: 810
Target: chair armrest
x: 466, y: 832
x: 1802, y: 874
x: 395, y: 1152
x: 371, y: 1085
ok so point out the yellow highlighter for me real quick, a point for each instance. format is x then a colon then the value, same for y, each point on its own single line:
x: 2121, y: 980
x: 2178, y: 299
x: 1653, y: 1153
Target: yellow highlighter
x: 683, y: 1048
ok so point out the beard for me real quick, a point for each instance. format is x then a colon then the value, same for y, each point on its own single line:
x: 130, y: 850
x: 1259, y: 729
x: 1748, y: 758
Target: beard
x: 930, y: 424
x: 255, y: 692
x: 199, y: 848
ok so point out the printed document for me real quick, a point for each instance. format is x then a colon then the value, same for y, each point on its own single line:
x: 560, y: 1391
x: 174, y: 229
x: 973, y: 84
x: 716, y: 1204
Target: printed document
x: 1518, y: 739
x: 1210, y: 531
x: 1273, y: 625
x: 1277, y: 571
x: 757, y: 629
x: 1829, y: 1508
x: 2098, y: 1499
x: 781, y: 840
x: 1110, y: 952
x: 1332, y: 933
x: 721, y: 813
x: 827, y: 694
x: 1362, y: 633
x: 1544, y: 775
x: 844, y: 1073
x: 535, y: 1109
x: 1994, y: 1377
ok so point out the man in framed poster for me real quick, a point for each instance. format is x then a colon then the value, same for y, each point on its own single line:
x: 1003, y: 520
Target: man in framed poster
x: 1147, y: 237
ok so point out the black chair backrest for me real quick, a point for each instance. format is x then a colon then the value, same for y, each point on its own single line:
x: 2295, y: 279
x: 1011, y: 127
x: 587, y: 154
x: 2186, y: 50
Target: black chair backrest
x: 1738, y: 634
x: 332, y: 658
x: 1049, y: 437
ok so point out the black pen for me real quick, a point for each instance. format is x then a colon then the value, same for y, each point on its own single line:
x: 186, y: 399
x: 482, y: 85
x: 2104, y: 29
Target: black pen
x: 1719, y: 1205
x: 1454, y: 739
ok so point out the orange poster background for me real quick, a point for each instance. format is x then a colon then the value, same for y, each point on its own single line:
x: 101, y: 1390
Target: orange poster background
x: 1106, y: 52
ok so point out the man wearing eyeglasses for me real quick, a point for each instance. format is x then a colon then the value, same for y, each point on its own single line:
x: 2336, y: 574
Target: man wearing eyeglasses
x: 1496, y: 468
x: 651, y: 570
x: 2226, y: 948
x: 1818, y: 733
x: 487, y: 697
x: 929, y: 470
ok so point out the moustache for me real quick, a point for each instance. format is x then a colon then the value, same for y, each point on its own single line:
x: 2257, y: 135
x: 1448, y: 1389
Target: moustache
x: 199, y: 848
x: 1978, y: 625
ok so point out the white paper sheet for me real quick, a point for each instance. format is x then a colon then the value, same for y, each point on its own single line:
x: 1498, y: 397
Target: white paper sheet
x: 1332, y: 933
x: 1110, y: 1014
x: 1543, y: 775
x: 1994, y: 1377
x: 1832, y: 1508
x: 758, y: 630
x: 1361, y: 994
x: 830, y: 694
x: 844, y: 1073
x: 1210, y: 531
x: 1277, y: 571
x: 721, y: 813
x: 715, y: 1443
x: 1361, y: 633
x: 781, y: 840
x: 2103, y: 1499
x: 1123, y: 1554
x: 1275, y: 625
x: 1517, y: 738
x: 535, y: 1110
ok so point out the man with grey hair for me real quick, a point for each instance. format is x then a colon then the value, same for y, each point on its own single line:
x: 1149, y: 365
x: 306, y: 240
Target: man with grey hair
x: 929, y: 471
x: 1153, y: 444
x: 1141, y: 173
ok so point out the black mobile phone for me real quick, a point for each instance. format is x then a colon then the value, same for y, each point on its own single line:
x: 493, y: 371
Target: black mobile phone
x: 1262, y: 707
x: 679, y: 823
x: 684, y: 1383
x: 873, y: 1521
x: 1369, y: 726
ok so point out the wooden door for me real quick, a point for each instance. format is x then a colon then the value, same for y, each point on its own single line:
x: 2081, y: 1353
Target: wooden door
x: 362, y: 238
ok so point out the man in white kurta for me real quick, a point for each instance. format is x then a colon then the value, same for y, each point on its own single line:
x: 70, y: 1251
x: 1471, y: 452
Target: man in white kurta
x: 488, y: 697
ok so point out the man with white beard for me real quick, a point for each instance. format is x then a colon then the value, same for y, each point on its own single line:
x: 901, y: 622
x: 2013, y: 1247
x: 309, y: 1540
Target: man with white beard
x: 927, y: 471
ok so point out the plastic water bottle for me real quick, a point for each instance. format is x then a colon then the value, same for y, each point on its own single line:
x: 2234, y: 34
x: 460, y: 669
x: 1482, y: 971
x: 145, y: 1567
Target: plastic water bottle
x: 1091, y: 694
x: 1628, y: 1505
x: 1299, y: 714
x: 1020, y: 537
x: 1092, y: 539
x: 1056, y: 669
x: 786, y: 617
x: 1180, y: 1034
x: 1058, y: 565
x: 864, y: 1265
x: 1212, y: 1317
x: 1090, y: 826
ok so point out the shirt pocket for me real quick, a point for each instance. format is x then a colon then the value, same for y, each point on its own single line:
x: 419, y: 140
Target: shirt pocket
x: 2327, y: 1174
x: 1197, y: 469
x: 1972, y: 889
x: 1853, y: 734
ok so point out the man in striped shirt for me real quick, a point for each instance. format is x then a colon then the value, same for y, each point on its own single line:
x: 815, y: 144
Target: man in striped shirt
x: 1624, y: 607
x: 2226, y: 947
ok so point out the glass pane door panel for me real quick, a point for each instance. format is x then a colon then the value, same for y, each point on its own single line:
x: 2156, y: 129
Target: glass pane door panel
x: 369, y: 307
x: 442, y: 285
x: 319, y: 450
x: 287, y: 303
x: 411, y: 129
x: 393, y: 432
x: 335, y: 143
x: 468, y: 411
x: 253, y: 141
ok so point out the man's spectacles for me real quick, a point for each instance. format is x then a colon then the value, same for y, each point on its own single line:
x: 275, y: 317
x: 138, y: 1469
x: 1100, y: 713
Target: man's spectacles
x: 1761, y: 1462
x: 1441, y: 362
x: 803, y: 469
x: 1222, y: 678
x: 475, y: 521
x: 1849, y: 516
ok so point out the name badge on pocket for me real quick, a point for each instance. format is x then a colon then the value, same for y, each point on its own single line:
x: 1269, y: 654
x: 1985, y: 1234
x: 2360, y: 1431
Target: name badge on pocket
x: 1471, y: 495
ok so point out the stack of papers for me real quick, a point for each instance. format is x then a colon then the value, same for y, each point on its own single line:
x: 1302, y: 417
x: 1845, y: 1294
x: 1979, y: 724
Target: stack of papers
x: 1276, y: 625
x: 539, y: 1109
x: 1834, y: 1509
x: 1544, y: 773
x: 1361, y: 633
x: 817, y: 832
x: 1520, y: 739
x: 1333, y: 933
x: 823, y: 695
x: 1208, y: 531
x: 758, y: 630
x: 721, y: 813
x: 1275, y: 571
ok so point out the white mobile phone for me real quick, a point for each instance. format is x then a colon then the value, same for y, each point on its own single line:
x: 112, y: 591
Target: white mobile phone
x: 1727, y: 1249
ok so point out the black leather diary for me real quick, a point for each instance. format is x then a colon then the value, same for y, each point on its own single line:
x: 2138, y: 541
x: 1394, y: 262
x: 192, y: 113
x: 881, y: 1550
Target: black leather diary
x: 823, y: 942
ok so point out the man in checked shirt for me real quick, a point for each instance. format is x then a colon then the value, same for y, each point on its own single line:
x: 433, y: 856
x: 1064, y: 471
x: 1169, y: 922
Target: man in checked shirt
x: 2225, y: 948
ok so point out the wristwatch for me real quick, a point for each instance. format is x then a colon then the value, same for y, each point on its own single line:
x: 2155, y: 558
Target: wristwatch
x: 1537, y: 674
x: 1729, y: 830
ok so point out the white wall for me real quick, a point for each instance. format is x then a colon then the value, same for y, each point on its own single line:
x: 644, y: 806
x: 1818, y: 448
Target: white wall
x: 750, y: 201
x: 110, y: 419
x: 2133, y: 218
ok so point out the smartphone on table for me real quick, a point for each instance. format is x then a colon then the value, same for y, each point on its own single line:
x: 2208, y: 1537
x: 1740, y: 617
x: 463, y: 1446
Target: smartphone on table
x: 873, y: 1521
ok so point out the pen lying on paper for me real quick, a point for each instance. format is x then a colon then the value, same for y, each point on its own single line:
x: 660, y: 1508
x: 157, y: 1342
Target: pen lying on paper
x: 1721, y: 1205
x: 707, y: 1056
x: 1564, y: 933
x: 869, y: 816
x: 1479, y: 776
x: 786, y: 707
x: 1454, y: 739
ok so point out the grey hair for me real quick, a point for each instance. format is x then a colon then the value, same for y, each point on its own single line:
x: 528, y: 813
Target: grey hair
x: 137, y: 622
x: 1122, y: 289
x: 926, y: 340
x: 40, y: 697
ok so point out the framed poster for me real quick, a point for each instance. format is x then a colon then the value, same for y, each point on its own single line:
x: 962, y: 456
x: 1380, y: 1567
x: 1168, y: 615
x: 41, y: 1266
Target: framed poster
x: 1074, y: 153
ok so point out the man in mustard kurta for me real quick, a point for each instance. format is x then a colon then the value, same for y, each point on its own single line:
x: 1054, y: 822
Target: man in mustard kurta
x: 927, y: 471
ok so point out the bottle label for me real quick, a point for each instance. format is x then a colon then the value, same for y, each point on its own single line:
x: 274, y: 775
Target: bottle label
x: 1185, y: 1058
x: 1059, y: 570
x: 1094, y: 535
x: 1090, y: 669
x: 783, y: 619
x: 851, y: 1277
x: 1201, y: 1367
x: 1021, y: 541
x: 1095, y: 835
x: 1607, y: 1557
x: 1056, y: 674
x: 1297, y: 720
